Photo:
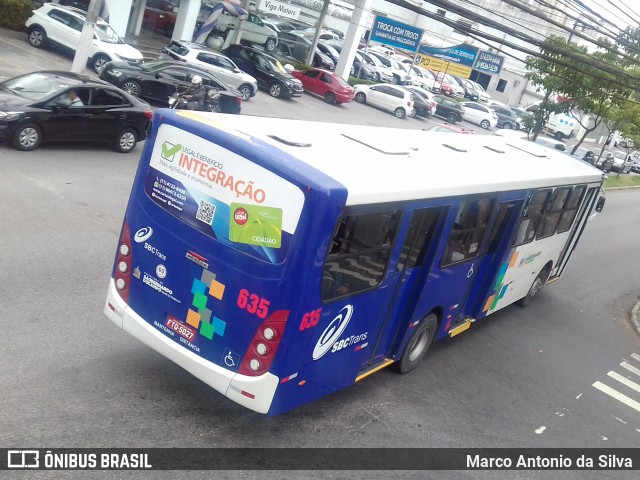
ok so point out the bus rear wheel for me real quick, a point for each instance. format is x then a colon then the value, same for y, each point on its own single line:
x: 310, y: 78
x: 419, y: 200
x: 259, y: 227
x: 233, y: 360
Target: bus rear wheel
x: 418, y: 344
x: 537, y: 284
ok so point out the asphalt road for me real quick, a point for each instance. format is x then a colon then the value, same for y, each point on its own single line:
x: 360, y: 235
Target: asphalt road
x: 523, y: 377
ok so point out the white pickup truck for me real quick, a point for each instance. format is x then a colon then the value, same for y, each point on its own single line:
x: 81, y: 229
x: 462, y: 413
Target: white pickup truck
x: 253, y: 30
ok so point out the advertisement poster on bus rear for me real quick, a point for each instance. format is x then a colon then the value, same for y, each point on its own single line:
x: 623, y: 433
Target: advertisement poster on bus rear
x: 223, y: 194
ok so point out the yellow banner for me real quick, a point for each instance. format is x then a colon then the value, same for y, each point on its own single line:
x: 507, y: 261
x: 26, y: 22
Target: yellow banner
x: 439, y: 65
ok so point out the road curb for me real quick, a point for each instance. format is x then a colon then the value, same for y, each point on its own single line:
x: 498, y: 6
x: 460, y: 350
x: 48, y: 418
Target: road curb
x: 634, y: 318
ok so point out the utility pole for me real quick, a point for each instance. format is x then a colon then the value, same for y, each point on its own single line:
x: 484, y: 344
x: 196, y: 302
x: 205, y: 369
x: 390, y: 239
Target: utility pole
x: 86, y: 37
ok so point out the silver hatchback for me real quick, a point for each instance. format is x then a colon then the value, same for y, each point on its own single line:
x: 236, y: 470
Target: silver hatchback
x: 214, y: 62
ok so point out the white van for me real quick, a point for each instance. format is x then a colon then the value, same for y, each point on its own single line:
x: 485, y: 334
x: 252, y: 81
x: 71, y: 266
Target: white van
x: 562, y: 125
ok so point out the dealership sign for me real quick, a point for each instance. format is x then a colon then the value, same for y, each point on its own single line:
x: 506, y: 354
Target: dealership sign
x: 461, y: 54
x: 396, y: 34
x: 279, y: 8
x: 488, y: 62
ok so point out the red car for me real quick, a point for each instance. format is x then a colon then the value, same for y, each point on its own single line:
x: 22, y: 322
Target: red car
x: 327, y: 84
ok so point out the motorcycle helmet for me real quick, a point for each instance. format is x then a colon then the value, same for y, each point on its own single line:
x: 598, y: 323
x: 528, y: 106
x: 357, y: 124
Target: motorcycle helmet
x: 196, y: 80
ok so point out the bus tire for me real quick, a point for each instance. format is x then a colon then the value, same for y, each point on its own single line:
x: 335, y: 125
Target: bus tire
x: 418, y: 344
x: 537, y: 284
x: 559, y: 135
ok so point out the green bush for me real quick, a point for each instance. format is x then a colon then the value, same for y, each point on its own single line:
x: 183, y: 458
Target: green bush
x: 353, y: 81
x: 15, y: 13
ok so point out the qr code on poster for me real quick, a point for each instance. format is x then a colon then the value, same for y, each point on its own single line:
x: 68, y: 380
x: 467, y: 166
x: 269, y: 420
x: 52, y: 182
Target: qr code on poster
x: 205, y: 212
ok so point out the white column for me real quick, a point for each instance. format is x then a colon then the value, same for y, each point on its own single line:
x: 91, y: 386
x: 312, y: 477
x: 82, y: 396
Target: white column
x: 119, y: 12
x: 137, y: 17
x: 353, y: 36
x: 186, y: 20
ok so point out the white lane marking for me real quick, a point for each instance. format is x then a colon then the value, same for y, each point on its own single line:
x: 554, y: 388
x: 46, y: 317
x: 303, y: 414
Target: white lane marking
x: 617, y: 395
x: 626, y: 381
x: 631, y: 368
x: 635, y: 356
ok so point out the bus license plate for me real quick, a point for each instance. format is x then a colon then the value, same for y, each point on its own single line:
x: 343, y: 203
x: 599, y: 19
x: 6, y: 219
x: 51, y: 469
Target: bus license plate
x: 180, y: 328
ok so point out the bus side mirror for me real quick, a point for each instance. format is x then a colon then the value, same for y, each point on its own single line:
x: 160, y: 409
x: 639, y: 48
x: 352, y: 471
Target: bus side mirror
x: 600, y: 204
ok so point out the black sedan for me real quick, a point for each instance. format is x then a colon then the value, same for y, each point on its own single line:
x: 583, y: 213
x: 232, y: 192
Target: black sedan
x: 159, y: 80
x: 62, y: 106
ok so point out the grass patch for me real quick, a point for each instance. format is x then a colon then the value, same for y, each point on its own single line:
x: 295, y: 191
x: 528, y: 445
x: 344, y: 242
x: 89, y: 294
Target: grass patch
x: 622, y: 181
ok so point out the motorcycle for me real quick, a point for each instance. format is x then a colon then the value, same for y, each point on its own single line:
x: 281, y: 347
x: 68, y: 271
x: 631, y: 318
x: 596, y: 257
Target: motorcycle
x: 211, y: 102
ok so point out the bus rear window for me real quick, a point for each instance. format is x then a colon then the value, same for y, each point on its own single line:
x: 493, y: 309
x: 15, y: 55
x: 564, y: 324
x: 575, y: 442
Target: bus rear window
x: 359, y: 253
x: 222, y: 194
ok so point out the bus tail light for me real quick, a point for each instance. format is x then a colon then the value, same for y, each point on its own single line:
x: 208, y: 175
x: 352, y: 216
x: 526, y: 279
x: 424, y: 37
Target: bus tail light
x: 122, y: 276
x: 262, y: 349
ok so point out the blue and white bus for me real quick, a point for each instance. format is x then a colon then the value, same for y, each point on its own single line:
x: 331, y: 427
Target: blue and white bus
x: 279, y: 261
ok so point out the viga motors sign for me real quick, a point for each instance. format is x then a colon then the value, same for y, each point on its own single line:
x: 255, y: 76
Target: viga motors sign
x: 279, y: 8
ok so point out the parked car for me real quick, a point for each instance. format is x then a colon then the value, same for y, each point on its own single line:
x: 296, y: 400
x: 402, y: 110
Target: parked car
x: 159, y: 80
x: 479, y: 114
x: 381, y: 72
x: 458, y: 91
x: 36, y: 108
x: 451, y: 128
x: 361, y: 69
x: 253, y: 30
x: 506, y: 117
x: 387, y: 97
x: 427, y: 104
x: 622, y: 164
x: 383, y: 49
x: 267, y: 70
x: 295, y: 47
x: 214, y: 62
x: 329, y: 51
x: 423, y: 79
x: 445, y: 87
x: 635, y: 158
x: 479, y: 91
x: 451, y: 110
x: 63, y: 25
x: 326, y: 84
x: 400, y: 76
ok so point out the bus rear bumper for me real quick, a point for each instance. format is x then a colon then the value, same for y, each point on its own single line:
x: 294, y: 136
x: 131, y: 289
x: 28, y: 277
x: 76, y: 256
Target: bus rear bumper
x: 255, y: 393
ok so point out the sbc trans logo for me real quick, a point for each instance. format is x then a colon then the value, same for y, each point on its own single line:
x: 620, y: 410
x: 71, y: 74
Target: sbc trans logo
x: 143, y: 234
x: 333, y: 331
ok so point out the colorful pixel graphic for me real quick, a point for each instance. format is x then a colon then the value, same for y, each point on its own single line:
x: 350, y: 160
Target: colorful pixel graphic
x: 498, y: 289
x: 201, y: 318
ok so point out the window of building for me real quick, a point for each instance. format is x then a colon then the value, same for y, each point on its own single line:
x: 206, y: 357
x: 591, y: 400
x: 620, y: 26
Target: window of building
x: 502, y: 84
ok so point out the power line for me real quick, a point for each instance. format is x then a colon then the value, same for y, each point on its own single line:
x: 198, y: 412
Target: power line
x: 620, y: 76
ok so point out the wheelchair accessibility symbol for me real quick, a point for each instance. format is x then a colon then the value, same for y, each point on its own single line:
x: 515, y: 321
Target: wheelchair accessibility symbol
x: 230, y: 359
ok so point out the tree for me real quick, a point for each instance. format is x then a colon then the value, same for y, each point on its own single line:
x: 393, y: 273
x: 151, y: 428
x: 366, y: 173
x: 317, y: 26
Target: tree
x: 556, y: 73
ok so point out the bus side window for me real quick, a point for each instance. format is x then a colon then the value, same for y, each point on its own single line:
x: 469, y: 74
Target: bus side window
x: 419, y: 237
x: 552, y: 213
x: 468, y: 230
x: 359, y: 253
x: 531, y: 216
x: 571, y: 208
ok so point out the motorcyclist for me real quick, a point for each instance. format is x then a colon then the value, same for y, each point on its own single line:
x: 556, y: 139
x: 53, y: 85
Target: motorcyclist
x: 195, y: 94
x: 589, y: 157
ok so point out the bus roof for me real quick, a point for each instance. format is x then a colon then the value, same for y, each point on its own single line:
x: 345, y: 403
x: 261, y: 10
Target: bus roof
x: 379, y: 165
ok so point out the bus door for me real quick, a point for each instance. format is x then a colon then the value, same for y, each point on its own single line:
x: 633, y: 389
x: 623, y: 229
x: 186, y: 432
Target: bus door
x: 370, y: 271
x: 494, y: 260
x: 452, y: 275
x: 409, y: 272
